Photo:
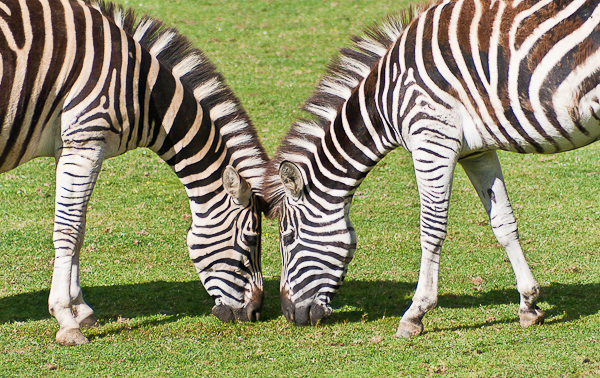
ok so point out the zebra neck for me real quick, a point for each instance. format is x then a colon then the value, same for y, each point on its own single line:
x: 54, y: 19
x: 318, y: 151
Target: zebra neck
x: 183, y: 134
x: 353, y: 143
x: 360, y: 129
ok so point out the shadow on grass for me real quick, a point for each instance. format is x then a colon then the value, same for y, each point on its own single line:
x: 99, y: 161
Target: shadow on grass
x: 376, y: 298
x: 387, y: 298
x: 174, y: 299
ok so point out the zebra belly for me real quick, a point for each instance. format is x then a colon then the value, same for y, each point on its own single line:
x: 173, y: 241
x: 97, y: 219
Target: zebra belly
x: 567, y: 121
x: 573, y: 122
x: 44, y: 141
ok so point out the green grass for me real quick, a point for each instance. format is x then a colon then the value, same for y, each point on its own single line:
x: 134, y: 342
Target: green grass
x: 155, y: 314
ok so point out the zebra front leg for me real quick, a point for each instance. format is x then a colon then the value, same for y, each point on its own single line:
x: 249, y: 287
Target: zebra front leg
x: 485, y: 173
x: 434, y: 174
x: 76, y: 173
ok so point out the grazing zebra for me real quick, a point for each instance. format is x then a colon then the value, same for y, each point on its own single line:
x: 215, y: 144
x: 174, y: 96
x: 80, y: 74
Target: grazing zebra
x: 461, y: 80
x: 86, y: 81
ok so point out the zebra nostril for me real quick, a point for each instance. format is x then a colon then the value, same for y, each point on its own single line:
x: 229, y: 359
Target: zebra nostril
x: 253, y: 311
x: 253, y: 315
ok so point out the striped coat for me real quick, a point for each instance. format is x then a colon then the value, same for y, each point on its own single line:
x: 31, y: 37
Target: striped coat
x: 86, y: 81
x: 451, y: 83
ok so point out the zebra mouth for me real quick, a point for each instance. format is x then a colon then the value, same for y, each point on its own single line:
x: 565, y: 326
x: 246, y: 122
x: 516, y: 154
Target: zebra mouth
x: 304, y: 315
x: 227, y: 314
x: 250, y: 312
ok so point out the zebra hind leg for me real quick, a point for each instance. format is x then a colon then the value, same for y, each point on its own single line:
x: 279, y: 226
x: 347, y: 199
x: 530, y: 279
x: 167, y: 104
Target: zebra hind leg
x: 76, y: 173
x: 485, y: 173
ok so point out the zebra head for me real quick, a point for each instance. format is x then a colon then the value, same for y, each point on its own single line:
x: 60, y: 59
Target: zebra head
x: 317, y: 243
x: 224, y: 244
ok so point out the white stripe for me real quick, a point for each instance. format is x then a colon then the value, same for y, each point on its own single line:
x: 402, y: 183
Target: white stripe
x: 210, y: 87
x: 161, y: 43
x: 223, y: 109
x: 187, y: 65
x: 233, y: 126
x: 517, y: 56
x: 322, y: 111
x: 350, y: 134
x: 141, y: 29
x: 6, y: 9
x: 551, y: 60
x: 473, y: 136
x: 335, y: 88
x: 367, y: 121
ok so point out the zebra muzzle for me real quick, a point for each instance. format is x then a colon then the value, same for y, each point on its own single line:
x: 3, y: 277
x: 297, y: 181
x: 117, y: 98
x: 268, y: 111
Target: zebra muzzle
x: 302, y: 316
x: 249, y: 313
x: 226, y: 314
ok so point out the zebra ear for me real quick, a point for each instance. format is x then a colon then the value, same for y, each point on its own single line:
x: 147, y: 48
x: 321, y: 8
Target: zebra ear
x: 236, y: 186
x: 291, y: 178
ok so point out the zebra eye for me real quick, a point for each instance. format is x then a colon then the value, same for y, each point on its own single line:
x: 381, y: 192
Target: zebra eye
x: 251, y: 239
x: 289, y: 238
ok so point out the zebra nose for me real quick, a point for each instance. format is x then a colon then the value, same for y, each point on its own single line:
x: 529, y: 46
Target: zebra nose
x: 318, y: 312
x: 249, y: 312
x: 302, y: 316
x: 287, y: 306
x: 224, y: 313
x: 254, y: 307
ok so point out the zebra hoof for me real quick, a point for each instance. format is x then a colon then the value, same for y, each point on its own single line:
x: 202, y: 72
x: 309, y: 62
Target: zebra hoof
x: 224, y: 313
x: 89, y: 322
x: 70, y: 337
x: 409, y: 329
x: 530, y: 317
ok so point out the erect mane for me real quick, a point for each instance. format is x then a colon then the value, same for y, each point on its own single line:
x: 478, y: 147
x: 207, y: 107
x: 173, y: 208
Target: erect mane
x: 199, y: 75
x: 344, y: 74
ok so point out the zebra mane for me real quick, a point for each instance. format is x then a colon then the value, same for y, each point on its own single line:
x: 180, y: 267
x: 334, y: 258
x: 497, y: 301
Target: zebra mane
x: 176, y: 52
x: 344, y: 73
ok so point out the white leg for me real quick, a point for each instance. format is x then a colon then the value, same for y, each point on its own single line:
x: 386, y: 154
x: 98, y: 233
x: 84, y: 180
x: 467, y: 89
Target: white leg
x: 434, y: 172
x: 84, y: 315
x: 76, y: 173
x: 485, y: 173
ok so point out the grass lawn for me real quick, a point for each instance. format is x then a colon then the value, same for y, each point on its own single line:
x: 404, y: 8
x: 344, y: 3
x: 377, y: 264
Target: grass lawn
x: 155, y: 314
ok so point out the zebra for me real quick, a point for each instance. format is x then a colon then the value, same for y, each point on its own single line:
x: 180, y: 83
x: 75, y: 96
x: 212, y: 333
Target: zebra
x: 451, y: 82
x: 85, y: 81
